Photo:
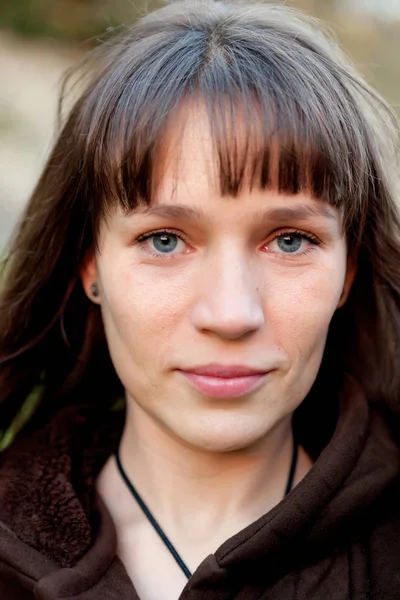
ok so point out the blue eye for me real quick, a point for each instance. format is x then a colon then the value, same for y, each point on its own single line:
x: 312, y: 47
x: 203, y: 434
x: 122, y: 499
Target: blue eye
x: 290, y: 242
x: 164, y: 242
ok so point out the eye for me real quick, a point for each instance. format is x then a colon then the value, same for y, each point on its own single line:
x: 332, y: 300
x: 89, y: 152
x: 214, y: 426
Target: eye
x: 163, y: 242
x: 293, y: 243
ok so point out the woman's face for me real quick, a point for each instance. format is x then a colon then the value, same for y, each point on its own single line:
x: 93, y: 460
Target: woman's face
x: 198, y: 279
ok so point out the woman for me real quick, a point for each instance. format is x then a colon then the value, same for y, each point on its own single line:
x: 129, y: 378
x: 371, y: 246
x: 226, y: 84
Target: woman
x: 201, y: 303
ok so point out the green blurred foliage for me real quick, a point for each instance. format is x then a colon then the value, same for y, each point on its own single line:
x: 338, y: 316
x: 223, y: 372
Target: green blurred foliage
x: 73, y: 20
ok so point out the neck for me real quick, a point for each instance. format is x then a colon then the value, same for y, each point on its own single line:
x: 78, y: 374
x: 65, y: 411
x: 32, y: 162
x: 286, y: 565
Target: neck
x: 225, y: 491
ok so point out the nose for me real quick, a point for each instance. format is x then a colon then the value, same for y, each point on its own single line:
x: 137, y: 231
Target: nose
x: 228, y: 302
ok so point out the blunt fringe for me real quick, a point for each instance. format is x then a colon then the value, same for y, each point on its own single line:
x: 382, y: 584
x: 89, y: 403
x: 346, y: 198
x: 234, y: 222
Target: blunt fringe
x: 310, y: 123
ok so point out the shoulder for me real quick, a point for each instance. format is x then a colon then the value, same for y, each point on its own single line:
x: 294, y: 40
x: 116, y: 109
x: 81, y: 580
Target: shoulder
x: 383, y: 545
x: 47, y: 482
x: 11, y: 590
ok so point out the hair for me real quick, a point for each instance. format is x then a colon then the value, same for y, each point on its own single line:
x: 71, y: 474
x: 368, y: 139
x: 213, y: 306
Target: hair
x: 310, y: 123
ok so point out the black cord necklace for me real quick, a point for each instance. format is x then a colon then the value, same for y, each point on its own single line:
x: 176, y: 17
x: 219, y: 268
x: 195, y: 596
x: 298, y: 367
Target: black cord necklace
x: 156, y: 525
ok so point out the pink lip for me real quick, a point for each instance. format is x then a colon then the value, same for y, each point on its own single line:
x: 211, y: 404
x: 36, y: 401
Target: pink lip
x: 218, y: 381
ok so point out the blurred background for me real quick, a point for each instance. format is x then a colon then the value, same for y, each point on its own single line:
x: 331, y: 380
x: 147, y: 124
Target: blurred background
x: 40, y: 39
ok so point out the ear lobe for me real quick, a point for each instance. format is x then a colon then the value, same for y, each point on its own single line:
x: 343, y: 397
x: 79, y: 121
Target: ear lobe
x: 89, y: 277
x: 348, y: 282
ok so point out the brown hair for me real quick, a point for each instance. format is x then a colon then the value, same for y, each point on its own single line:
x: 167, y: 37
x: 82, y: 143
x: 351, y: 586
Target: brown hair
x: 336, y: 138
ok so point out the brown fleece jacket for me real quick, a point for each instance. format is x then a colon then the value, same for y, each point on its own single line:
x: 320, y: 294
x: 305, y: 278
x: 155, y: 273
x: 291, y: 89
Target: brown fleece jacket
x: 335, y: 537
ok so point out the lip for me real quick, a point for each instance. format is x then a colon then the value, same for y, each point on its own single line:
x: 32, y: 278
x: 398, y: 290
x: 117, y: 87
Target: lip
x: 221, y: 381
x: 228, y: 371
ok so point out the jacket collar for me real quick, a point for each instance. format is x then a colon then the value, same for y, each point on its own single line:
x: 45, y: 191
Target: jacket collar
x: 60, y: 528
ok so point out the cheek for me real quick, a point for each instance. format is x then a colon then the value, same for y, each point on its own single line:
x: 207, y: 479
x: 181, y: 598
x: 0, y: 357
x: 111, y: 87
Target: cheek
x: 141, y: 312
x: 302, y: 308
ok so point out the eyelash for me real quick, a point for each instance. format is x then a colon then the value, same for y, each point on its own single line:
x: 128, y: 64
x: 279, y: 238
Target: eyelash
x: 307, y: 236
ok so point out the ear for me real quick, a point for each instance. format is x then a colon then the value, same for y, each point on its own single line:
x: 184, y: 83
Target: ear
x: 89, y: 277
x: 348, y: 282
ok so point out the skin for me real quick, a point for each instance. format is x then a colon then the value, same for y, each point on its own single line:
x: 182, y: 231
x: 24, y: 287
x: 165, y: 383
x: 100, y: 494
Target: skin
x: 227, y: 293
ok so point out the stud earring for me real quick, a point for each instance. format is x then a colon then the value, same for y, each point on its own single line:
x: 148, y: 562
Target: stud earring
x: 94, y: 288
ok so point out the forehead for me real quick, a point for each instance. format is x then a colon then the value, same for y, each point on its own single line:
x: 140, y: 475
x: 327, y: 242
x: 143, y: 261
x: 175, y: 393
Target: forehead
x: 186, y: 155
x: 219, y: 152
x: 189, y: 170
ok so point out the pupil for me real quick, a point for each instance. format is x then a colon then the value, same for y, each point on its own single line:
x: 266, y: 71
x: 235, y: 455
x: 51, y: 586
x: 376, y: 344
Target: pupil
x: 289, y: 243
x: 165, y: 242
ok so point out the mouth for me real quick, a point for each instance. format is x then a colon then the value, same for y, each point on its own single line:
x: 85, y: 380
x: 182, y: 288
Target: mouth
x: 217, y: 381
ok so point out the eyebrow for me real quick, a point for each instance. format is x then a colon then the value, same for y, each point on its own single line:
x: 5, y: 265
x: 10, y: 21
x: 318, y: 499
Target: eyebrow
x: 300, y: 212
x: 179, y: 211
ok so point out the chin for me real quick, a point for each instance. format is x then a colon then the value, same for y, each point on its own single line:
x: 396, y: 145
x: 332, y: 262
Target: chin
x: 220, y: 439
x: 225, y: 446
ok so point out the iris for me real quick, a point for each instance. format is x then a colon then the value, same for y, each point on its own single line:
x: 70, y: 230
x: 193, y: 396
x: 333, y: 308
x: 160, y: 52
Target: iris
x: 164, y: 242
x: 289, y: 242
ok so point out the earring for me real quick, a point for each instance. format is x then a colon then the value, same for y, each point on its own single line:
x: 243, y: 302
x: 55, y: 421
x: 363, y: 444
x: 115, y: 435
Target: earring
x: 94, y: 288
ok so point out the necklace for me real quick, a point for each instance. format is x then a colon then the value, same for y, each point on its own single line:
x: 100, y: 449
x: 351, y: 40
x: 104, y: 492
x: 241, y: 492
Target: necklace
x: 156, y: 525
